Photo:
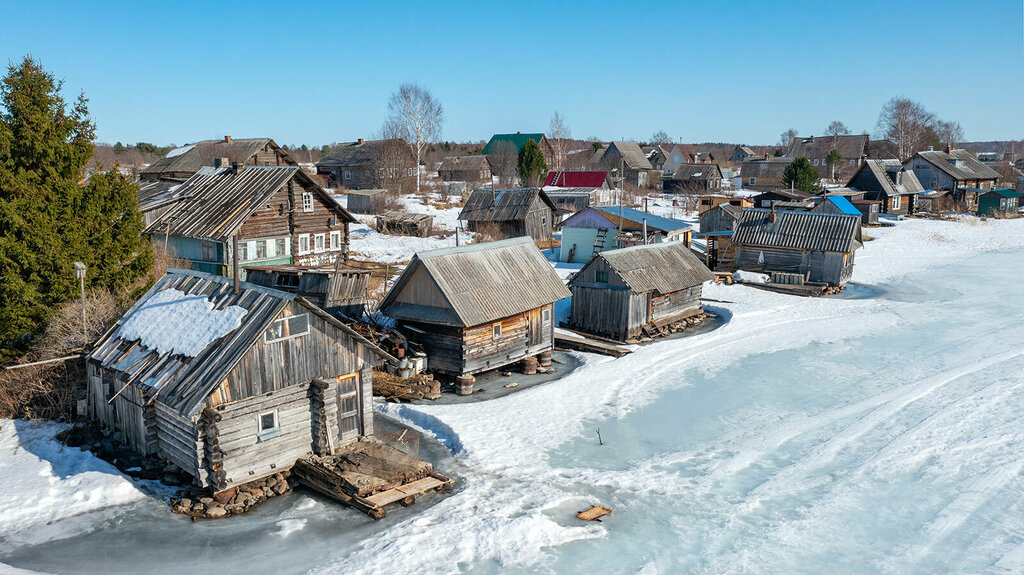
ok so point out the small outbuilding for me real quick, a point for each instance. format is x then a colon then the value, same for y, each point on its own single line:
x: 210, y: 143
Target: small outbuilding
x: 366, y: 201
x: 230, y: 382
x: 474, y: 169
x: 477, y: 307
x: 510, y: 213
x: 717, y: 226
x: 1000, y: 202
x: 819, y: 247
x: 599, y: 228
x: 621, y: 292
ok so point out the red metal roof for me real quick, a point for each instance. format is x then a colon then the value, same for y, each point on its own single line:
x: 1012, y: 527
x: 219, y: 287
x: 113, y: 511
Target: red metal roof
x: 576, y: 179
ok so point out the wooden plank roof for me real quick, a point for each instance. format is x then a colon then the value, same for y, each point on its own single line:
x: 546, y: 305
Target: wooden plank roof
x: 632, y: 155
x: 487, y: 205
x: 660, y: 268
x: 463, y: 163
x: 850, y: 147
x: 959, y: 164
x: 886, y: 173
x: 764, y: 168
x: 481, y: 283
x: 180, y: 381
x: 362, y: 153
x: 697, y: 172
x: 215, y: 202
x: 799, y: 230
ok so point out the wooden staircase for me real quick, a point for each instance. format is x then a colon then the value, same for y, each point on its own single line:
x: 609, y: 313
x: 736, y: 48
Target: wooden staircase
x: 600, y: 240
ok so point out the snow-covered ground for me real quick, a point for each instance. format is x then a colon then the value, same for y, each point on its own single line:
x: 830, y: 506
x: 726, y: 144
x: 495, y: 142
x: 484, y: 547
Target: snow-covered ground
x: 367, y: 243
x: 876, y: 432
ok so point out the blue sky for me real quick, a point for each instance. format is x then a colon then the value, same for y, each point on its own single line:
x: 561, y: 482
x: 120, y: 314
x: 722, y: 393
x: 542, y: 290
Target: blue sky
x: 312, y: 72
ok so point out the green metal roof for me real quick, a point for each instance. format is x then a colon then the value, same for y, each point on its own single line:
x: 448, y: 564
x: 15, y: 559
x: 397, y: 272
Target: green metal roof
x: 518, y: 140
x: 1006, y: 193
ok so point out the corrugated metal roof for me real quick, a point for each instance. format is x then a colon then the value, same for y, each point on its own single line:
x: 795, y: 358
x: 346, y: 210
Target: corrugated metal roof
x: 216, y: 202
x: 486, y: 205
x: 661, y: 268
x: 811, y: 231
x: 576, y: 179
x: 518, y: 140
x: 886, y: 172
x: 850, y: 147
x: 633, y: 219
x: 205, y: 152
x: 481, y: 282
x: 701, y: 172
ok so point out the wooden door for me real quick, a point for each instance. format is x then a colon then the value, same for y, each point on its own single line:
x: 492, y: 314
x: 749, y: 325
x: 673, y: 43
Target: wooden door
x: 348, y: 407
x: 534, y: 328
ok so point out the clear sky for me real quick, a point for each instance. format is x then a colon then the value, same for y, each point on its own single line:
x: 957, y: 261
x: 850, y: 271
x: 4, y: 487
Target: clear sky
x: 315, y: 73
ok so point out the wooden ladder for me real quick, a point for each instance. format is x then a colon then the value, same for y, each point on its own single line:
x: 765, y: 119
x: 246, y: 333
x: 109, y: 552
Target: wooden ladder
x: 600, y: 239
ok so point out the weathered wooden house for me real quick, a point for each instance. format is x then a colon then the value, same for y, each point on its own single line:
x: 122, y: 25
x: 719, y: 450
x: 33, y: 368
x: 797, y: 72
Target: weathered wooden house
x: 374, y: 164
x: 475, y: 169
x: 338, y: 291
x: 742, y: 154
x: 477, y: 307
x: 181, y: 163
x: 1002, y: 202
x: 819, y: 247
x: 956, y: 171
x: 764, y: 173
x: 625, y: 162
x: 598, y: 228
x: 230, y: 385
x: 656, y: 155
x: 852, y: 148
x: 935, y: 201
x: 267, y: 215
x: 621, y: 292
x: 889, y: 183
x: 367, y: 201
x: 510, y: 213
x: 695, y: 179
x: 717, y: 226
x: 707, y: 201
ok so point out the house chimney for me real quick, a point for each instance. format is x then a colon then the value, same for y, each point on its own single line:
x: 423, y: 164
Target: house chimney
x: 234, y: 168
x: 360, y: 140
x: 863, y: 159
x: 931, y: 148
x: 766, y: 155
x: 948, y: 149
x: 227, y: 138
x: 771, y: 216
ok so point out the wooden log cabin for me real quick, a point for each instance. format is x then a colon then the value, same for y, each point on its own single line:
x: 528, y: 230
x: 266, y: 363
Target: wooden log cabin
x: 271, y: 215
x: 817, y: 246
x: 370, y: 164
x: 183, y: 162
x: 477, y: 307
x: 887, y: 182
x: 230, y: 385
x: 510, y: 213
x: 475, y: 169
x: 621, y: 292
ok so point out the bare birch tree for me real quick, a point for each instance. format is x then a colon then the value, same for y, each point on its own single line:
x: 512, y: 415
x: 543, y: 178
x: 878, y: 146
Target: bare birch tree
x: 906, y: 124
x: 559, y: 135
x: 504, y: 161
x: 416, y: 117
x: 951, y: 134
x: 786, y: 139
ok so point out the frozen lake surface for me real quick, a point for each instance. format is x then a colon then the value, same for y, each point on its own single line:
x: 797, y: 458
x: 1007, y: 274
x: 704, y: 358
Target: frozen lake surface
x: 875, y: 433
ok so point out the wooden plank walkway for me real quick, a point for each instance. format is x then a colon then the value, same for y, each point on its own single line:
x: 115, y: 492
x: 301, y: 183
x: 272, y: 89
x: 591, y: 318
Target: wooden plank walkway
x: 583, y: 343
x: 405, y: 491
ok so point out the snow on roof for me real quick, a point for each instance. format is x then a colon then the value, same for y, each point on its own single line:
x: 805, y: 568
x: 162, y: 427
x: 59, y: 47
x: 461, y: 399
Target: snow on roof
x: 175, y: 323
x: 179, y: 151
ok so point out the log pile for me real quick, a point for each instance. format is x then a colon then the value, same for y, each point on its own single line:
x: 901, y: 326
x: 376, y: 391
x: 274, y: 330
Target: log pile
x: 420, y: 386
x: 650, y: 332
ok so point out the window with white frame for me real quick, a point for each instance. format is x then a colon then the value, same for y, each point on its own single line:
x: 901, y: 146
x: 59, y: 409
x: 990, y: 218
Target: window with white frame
x: 347, y: 175
x: 815, y: 162
x: 335, y: 240
x: 307, y: 201
x: 318, y: 242
x: 303, y: 244
x: 496, y: 331
x: 261, y: 249
x: 896, y: 202
x: 243, y: 251
x: 751, y: 181
x: 287, y: 327
x: 545, y: 315
x: 267, y: 425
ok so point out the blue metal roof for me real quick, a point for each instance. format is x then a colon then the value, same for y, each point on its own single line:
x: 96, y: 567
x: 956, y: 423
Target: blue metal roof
x: 653, y: 222
x: 844, y: 205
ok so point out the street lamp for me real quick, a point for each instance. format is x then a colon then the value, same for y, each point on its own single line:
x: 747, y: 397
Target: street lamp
x: 80, y: 274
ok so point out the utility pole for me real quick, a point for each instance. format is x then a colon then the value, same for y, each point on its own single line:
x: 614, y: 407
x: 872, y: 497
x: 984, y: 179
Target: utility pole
x: 80, y: 274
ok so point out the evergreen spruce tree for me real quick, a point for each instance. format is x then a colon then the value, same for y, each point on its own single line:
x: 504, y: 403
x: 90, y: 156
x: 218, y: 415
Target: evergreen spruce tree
x: 800, y: 174
x: 48, y: 218
x: 531, y: 164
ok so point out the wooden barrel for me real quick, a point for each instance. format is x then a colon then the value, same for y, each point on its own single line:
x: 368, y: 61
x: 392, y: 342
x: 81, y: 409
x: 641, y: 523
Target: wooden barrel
x: 464, y: 384
x: 544, y: 358
x: 529, y: 366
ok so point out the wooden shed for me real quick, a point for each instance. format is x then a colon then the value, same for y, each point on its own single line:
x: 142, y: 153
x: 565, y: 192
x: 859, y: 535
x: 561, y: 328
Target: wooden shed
x: 819, y: 247
x: 510, y: 213
x: 230, y: 385
x: 717, y: 226
x: 620, y: 292
x: 465, y: 169
x: 339, y: 292
x: 366, y: 201
x: 405, y: 224
x: 477, y: 307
